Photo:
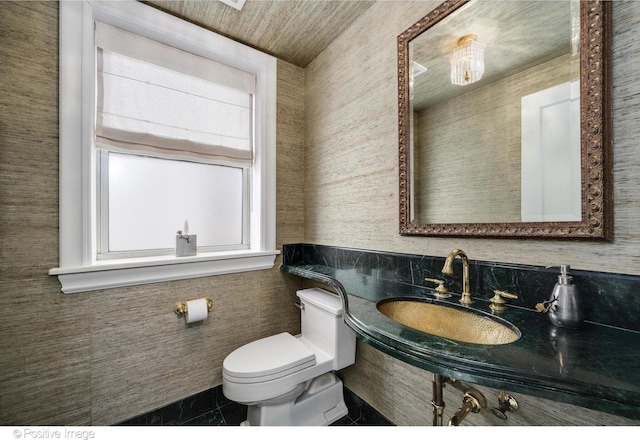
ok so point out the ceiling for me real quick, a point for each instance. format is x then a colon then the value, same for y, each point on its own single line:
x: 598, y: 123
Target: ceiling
x: 517, y: 35
x: 295, y: 31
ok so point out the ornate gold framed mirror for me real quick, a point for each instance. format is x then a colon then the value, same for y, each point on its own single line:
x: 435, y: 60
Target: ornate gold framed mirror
x: 504, y: 120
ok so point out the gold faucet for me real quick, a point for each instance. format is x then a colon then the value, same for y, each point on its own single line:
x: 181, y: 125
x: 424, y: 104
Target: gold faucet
x: 448, y: 270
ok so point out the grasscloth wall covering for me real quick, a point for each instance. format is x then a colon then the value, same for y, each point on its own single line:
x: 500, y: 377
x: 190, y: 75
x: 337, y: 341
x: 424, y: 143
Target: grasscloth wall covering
x: 99, y: 358
x: 351, y: 138
x: 351, y: 187
x: 102, y: 357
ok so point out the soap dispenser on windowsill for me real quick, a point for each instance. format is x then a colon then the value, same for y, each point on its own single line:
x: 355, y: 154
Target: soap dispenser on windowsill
x: 564, y: 305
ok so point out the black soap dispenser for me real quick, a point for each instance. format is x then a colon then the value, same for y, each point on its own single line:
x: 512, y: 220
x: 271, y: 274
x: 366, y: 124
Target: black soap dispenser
x: 565, y: 306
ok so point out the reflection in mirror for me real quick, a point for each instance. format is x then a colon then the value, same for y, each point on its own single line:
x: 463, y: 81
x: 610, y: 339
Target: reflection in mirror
x: 498, y: 140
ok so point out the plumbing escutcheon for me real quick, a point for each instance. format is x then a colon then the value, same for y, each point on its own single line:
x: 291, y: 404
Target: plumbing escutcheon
x: 472, y: 401
x: 506, y: 402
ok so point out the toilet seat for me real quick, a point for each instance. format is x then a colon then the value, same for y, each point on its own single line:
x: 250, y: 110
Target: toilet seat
x: 267, y: 359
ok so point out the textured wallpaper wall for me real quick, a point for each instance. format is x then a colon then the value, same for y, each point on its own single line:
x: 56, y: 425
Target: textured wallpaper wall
x: 103, y: 357
x: 351, y: 162
x: 351, y: 192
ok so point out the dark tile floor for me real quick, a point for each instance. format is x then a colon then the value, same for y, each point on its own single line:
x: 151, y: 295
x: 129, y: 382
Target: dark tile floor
x: 212, y: 408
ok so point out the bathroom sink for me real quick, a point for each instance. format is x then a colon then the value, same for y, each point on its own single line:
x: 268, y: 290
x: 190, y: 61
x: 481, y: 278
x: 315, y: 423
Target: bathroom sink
x: 451, y: 322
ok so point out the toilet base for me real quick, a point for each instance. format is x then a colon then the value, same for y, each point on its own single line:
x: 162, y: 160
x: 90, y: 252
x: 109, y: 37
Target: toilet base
x: 320, y: 404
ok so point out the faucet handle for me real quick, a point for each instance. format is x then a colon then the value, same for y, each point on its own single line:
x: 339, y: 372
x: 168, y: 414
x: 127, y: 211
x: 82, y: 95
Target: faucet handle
x: 441, y: 291
x: 498, y: 304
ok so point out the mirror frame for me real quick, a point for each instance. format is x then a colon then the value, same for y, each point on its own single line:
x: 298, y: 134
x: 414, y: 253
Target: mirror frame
x: 595, y: 137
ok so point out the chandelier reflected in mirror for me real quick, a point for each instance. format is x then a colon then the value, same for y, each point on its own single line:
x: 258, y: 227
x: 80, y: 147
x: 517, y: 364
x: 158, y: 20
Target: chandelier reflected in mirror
x: 467, y: 61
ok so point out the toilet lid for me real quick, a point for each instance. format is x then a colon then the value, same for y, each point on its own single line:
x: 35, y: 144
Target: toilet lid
x: 275, y: 356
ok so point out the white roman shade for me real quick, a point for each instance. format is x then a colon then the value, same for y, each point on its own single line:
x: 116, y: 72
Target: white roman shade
x: 157, y: 100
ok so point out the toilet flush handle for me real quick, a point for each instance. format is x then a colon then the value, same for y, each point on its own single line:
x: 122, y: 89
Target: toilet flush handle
x: 299, y: 305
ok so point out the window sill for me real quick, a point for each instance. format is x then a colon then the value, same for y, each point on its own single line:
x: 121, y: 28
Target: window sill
x: 122, y: 273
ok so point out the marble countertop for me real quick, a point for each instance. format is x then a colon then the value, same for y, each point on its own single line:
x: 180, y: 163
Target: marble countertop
x: 595, y: 366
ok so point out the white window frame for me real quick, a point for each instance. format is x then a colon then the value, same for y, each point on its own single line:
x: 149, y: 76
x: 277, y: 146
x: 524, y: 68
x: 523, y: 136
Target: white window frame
x: 102, y: 217
x: 79, y: 270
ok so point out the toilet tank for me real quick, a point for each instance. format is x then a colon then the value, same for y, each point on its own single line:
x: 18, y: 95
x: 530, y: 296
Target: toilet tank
x: 322, y: 320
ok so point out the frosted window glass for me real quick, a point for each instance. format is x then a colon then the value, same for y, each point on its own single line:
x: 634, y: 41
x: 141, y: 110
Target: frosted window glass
x: 150, y: 199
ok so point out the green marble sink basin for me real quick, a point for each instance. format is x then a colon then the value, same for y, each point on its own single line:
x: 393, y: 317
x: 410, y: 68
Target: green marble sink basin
x: 455, y: 323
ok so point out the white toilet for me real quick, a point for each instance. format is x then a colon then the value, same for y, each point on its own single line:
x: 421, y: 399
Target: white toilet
x: 289, y: 380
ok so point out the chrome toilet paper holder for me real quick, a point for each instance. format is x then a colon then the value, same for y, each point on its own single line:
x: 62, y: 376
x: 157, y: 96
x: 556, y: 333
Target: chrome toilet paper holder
x: 181, y: 307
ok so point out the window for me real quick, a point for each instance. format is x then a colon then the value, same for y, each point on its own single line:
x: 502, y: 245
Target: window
x: 161, y: 122
x: 174, y: 139
x: 144, y: 200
